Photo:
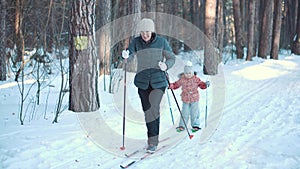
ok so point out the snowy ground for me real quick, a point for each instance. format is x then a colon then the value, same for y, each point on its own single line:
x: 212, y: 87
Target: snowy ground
x: 259, y: 126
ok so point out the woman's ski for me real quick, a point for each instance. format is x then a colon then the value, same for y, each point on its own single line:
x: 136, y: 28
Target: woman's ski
x: 141, y: 158
x: 137, y: 151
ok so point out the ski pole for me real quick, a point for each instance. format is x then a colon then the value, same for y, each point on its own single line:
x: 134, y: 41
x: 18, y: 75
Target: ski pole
x: 170, y: 107
x: 206, y: 110
x: 206, y: 107
x: 190, y: 136
x: 124, y: 105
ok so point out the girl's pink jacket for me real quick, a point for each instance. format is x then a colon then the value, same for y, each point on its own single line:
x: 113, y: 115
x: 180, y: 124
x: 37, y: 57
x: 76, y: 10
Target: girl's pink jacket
x: 189, y: 88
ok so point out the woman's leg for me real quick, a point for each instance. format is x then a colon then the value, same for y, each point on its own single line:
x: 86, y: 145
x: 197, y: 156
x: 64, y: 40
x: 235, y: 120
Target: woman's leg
x: 151, y: 99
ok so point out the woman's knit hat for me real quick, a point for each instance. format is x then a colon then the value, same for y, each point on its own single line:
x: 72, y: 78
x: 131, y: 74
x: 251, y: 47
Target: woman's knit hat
x: 188, y: 68
x: 146, y: 24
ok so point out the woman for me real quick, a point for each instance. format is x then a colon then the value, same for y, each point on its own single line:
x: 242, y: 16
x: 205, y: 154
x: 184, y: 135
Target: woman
x: 154, y: 57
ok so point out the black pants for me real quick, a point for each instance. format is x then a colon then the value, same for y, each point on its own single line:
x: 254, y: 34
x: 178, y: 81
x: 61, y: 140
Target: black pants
x: 151, y: 99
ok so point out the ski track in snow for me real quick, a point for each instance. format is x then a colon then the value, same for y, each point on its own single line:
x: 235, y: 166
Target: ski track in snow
x: 255, y: 132
x: 248, y: 128
x: 244, y: 137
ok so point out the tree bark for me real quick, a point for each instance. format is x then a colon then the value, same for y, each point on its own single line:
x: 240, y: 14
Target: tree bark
x: 202, y: 15
x: 238, y: 29
x: 296, y: 39
x: 266, y: 29
x: 2, y: 40
x: 104, y: 37
x: 82, y: 58
x: 20, y: 44
x: 211, y: 60
x: 257, y: 25
x: 134, y: 7
x: 251, y: 36
x: 150, y: 5
x: 220, y: 29
x: 276, y: 29
x: 18, y: 31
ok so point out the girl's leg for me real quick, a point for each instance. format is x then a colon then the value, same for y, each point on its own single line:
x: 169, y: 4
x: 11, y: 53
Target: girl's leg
x: 185, y: 114
x: 195, y: 114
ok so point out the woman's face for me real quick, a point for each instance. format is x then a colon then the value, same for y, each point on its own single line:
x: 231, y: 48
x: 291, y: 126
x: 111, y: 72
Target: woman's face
x: 146, y: 35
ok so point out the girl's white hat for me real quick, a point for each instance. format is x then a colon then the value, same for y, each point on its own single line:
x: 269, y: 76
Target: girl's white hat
x: 188, y: 68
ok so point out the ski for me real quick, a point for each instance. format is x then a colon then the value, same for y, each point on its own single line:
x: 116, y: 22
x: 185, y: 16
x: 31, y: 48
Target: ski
x: 137, y: 151
x: 141, y: 158
x: 195, y: 130
x: 133, y: 153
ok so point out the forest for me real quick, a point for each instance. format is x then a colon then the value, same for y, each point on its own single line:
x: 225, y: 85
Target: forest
x: 34, y: 33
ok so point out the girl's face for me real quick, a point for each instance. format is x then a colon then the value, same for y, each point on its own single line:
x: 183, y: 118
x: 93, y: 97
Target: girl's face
x: 146, y: 35
x: 188, y: 75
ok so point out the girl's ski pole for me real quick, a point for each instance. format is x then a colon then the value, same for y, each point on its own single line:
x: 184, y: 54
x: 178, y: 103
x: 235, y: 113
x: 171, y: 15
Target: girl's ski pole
x: 170, y: 105
x: 206, y: 106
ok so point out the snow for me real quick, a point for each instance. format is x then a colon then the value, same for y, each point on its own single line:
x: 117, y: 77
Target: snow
x: 253, y: 122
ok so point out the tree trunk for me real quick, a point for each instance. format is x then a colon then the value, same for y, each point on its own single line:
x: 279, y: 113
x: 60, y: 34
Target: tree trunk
x: 150, y: 5
x: 195, y: 13
x: 296, y: 39
x: 48, y: 40
x: 104, y: 38
x: 18, y: 31
x: 2, y: 40
x: 134, y: 7
x: 250, y: 51
x: 220, y: 29
x: 211, y: 60
x: 276, y: 29
x: 20, y: 44
x: 286, y: 25
x: 238, y: 29
x: 202, y: 15
x: 83, y: 74
x: 257, y: 25
x: 266, y: 27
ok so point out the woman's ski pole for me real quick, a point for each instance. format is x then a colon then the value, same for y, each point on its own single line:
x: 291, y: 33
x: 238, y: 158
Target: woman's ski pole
x: 191, y: 136
x: 124, y: 105
x: 206, y: 109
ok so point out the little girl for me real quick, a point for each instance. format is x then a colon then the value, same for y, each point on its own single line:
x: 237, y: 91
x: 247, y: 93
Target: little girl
x: 190, y: 97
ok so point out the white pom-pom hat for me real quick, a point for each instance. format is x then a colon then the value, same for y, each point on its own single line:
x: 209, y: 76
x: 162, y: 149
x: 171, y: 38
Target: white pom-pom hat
x: 188, y: 68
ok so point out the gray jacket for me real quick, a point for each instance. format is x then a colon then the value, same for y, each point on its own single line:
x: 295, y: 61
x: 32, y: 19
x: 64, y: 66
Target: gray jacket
x: 148, y: 55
